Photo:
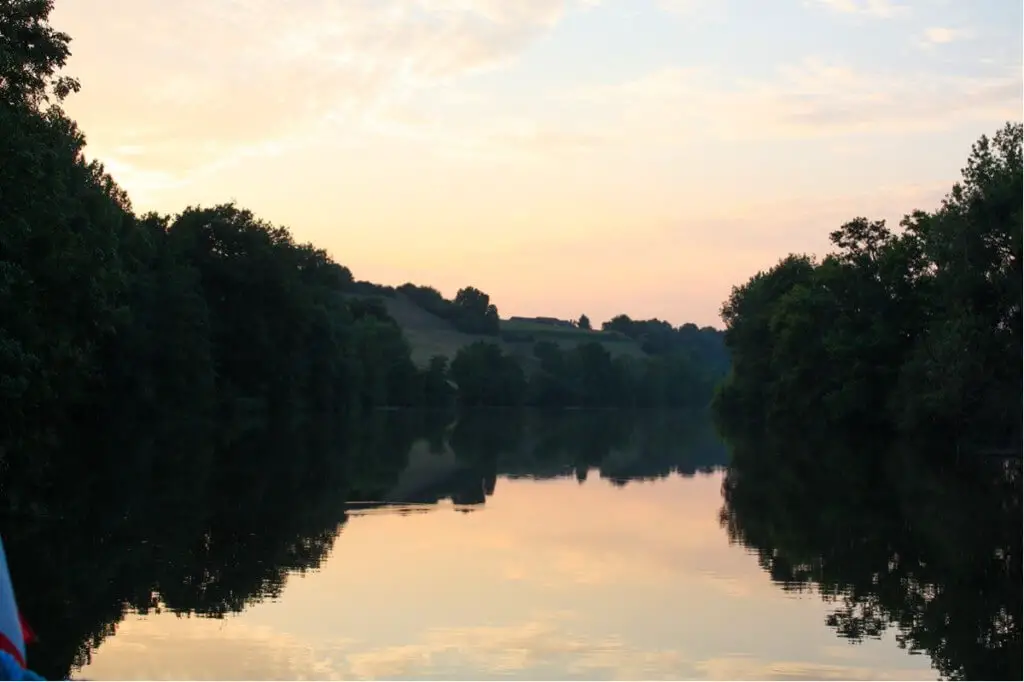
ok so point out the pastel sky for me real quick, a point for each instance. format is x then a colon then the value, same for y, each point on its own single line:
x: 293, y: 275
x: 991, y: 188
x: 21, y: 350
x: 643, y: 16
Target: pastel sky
x: 566, y: 156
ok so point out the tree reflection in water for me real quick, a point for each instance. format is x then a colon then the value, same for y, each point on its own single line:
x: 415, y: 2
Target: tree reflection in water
x: 890, y: 541
x: 205, y: 522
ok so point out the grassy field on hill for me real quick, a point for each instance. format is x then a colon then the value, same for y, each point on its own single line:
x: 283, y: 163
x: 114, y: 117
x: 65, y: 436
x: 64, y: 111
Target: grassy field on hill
x: 430, y: 335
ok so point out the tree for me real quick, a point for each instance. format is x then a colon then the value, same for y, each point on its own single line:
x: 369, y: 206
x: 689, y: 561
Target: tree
x: 62, y: 287
x: 31, y: 54
x: 584, y: 322
x: 620, y: 323
x: 916, y: 332
x: 965, y: 366
x: 475, y: 314
x: 472, y: 300
x: 436, y: 389
x: 486, y: 376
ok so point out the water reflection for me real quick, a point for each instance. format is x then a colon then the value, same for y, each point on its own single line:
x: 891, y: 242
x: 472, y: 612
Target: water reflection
x: 616, y: 445
x: 148, y: 518
x: 549, y: 580
x: 889, y: 541
x: 595, y: 552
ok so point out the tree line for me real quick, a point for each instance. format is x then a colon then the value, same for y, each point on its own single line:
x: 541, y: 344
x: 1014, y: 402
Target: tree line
x: 586, y: 375
x: 680, y: 367
x: 912, y: 332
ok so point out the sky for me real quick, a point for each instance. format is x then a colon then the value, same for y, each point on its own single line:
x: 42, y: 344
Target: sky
x: 565, y: 156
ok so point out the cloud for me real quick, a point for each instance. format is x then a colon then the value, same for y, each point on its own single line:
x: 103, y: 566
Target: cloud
x: 941, y: 35
x: 169, y: 648
x: 165, y: 647
x: 175, y: 93
x: 680, y: 7
x: 214, y: 81
x: 819, y: 98
x: 810, y: 99
x: 547, y: 646
x: 547, y: 643
x: 502, y: 139
x: 750, y: 668
x: 881, y: 9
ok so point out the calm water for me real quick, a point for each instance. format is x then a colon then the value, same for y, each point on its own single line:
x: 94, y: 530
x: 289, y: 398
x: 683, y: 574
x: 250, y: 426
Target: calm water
x: 572, y: 550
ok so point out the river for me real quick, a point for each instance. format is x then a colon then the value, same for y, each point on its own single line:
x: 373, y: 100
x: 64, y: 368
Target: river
x: 555, y: 547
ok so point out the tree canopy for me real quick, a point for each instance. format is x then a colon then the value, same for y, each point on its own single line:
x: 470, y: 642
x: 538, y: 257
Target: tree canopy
x: 914, y: 331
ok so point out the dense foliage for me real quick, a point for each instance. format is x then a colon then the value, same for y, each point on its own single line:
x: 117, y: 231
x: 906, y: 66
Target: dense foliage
x: 679, y: 368
x: 471, y: 311
x: 916, y: 331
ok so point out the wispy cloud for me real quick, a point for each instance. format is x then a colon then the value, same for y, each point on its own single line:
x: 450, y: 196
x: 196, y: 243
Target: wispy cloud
x: 257, y: 79
x: 581, y: 124
x: 809, y: 99
x: 684, y: 7
x: 549, y: 645
x: 942, y: 35
x: 172, y: 648
x: 751, y: 668
x: 881, y: 9
x: 546, y: 643
x: 221, y: 78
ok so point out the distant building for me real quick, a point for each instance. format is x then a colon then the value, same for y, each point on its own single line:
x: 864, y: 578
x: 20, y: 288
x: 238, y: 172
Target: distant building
x: 553, y: 321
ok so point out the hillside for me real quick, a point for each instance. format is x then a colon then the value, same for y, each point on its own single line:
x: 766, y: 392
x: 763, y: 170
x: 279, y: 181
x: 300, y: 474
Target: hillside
x: 430, y: 335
